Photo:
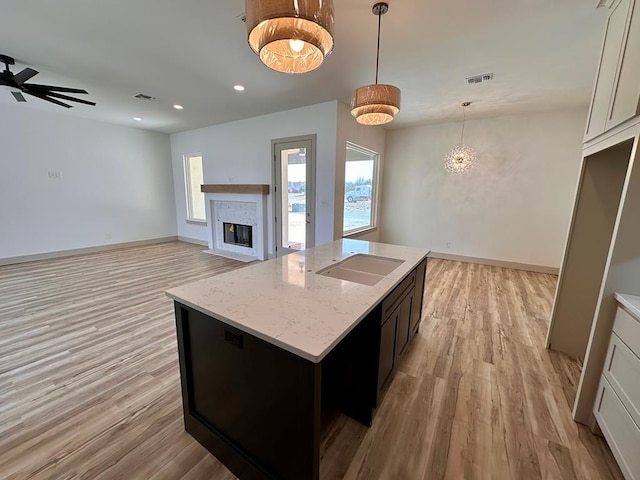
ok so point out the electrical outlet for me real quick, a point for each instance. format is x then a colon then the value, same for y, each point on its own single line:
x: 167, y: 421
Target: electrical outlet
x: 448, y: 244
x: 54, y: 174
x: 107, y: 236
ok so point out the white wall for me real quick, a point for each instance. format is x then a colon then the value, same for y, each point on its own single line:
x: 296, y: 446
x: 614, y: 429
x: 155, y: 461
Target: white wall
x: 240, y: 152
x: 116, y: 181
x: 514, y: 206
x: 372, y: 138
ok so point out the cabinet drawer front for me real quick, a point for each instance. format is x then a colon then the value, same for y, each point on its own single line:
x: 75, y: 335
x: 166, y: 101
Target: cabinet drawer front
x: 622, y: 370
x: 628, y: 329
x: 397, y: 295
x: 622, y: 434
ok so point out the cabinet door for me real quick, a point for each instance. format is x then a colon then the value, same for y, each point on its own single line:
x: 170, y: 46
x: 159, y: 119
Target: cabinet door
x: 609, y: 59
x: 416, y: 313
x: 621, y: 432
x: 626, y: 94
x: 387, y: 349
x: 404, y: 323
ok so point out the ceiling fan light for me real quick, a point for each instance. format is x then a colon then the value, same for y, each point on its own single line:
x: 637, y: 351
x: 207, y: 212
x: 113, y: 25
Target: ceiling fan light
x: 290, y: 36
x: 375, y: 104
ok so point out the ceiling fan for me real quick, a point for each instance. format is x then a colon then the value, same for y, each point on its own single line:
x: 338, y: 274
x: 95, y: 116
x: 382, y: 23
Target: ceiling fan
x: 17, y: 84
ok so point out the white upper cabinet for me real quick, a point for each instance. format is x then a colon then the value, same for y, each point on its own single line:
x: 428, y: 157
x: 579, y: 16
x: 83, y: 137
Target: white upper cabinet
x: 616, y: 94
x: 626, y: 94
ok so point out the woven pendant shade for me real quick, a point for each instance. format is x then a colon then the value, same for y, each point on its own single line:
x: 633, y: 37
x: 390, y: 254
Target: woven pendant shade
x: 290, y: 36
x: 375, y: 104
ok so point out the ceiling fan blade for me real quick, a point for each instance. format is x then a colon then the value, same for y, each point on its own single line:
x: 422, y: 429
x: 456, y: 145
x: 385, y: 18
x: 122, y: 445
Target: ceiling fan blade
x: 53, y: 88
x: 48, y: 99
x: 72, y: 99
x: 24, y: 75
x: 18, y: 96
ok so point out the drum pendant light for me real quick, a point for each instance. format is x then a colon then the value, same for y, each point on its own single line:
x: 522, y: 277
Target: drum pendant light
x: 290, y: 36
x: 376, y: 104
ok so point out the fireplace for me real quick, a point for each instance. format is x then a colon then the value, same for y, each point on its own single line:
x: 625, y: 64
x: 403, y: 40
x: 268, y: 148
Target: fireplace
x: 237, y: 221
x: 238, y: 234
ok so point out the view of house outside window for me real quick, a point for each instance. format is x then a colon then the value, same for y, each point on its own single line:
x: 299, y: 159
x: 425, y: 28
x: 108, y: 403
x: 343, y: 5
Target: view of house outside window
x: 194, y: 177
x: 294, y: 174
x: 360, y: 197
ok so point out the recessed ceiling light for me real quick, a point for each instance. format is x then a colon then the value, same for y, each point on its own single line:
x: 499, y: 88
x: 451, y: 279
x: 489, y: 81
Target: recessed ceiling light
x: 238, y: 88
x: 178, y: 107
x: 137, y: 119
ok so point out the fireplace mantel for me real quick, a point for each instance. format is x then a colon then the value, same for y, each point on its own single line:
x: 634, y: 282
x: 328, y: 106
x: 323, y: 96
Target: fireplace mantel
x: 255, y: 188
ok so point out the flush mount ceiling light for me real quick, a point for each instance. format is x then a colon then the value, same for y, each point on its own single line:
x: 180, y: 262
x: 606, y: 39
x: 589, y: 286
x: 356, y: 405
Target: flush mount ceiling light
x: 137, y: 119
x: 238, y: 88
x: 178, y: 107
x: 290, y: 36
x: 461, y: 158
x: 376, y: 104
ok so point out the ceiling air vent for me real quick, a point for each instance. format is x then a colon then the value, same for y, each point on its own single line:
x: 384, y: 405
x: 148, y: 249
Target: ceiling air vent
x: 142, y: 96
x: 479, y: 78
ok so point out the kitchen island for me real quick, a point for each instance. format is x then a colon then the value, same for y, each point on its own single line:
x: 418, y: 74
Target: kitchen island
x: 263, y: 348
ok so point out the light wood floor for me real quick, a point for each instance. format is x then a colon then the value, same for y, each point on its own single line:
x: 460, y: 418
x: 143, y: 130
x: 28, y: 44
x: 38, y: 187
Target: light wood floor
x: 89, y: 381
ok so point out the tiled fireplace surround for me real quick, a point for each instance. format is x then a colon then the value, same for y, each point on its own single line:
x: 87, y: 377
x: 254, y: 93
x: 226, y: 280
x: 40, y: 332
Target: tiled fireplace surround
x: 238, y: 207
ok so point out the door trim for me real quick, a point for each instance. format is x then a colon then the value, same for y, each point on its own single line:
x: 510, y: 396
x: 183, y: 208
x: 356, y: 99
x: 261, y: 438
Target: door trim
x: 310, y: 189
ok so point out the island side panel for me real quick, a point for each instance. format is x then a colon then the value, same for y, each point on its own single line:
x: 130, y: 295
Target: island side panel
x: 350, y: 371
x: 254, y: 406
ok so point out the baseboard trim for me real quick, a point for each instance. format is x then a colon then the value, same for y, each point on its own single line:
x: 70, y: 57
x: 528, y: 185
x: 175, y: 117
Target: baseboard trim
x: 195, y: 241
x: 497, y: 263
x: 82, y: 251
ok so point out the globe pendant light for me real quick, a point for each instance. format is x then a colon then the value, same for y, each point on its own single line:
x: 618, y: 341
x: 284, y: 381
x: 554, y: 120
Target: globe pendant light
x: 376, y: 104
x: 290, y: 36
x: 461, y: 158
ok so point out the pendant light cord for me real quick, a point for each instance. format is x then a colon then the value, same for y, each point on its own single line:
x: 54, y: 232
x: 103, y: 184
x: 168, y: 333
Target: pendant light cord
x: 378, y: 49
x: 462, y: 134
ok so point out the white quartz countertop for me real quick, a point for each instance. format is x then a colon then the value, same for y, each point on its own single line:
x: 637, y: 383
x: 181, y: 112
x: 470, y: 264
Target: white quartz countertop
x: 284, y: 302
x: 631, y: 302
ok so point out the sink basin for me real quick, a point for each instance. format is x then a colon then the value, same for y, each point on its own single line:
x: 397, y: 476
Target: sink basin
x: 362, y: 268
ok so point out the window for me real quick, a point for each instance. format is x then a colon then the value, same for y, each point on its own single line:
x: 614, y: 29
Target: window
x: 193, y: 179
x: 360, y: 195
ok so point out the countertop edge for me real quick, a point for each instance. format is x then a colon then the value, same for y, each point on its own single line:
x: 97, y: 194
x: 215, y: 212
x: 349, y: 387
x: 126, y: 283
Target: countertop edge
x: 346, y: 332
x: 245, y: 328
x: 314, y: 358
x: 630, y: 302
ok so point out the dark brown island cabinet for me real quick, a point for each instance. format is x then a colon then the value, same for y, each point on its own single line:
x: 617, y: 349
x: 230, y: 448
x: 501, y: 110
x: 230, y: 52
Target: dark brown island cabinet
x: 256, y: 406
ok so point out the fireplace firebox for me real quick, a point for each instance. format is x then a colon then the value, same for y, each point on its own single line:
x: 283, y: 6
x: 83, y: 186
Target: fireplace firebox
x: 237, y: 234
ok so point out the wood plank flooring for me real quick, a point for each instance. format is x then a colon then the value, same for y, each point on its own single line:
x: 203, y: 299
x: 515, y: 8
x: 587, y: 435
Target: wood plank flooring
x: 89, y: 381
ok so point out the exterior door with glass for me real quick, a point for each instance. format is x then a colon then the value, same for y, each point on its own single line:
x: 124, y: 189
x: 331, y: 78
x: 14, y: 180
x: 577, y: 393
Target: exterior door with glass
x: 294, y: 192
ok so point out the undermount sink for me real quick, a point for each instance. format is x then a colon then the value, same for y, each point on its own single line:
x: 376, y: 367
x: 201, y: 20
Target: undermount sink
x: 362, y: 268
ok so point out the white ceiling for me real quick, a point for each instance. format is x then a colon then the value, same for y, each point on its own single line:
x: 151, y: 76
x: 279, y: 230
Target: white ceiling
x: 543, y: 54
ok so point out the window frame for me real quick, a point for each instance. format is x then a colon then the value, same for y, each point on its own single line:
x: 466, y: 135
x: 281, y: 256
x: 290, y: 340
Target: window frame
x: 373, y: 224
x: 186, y: 158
